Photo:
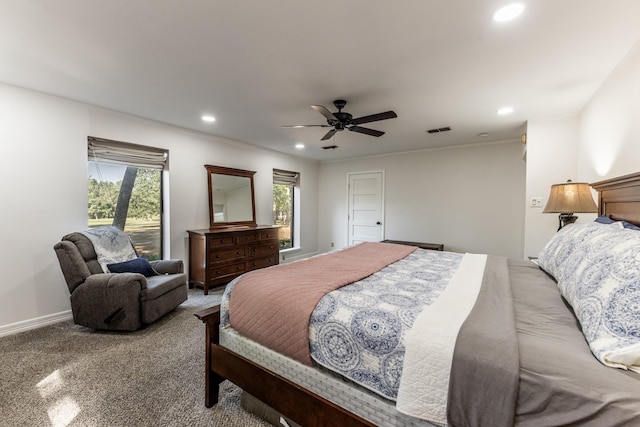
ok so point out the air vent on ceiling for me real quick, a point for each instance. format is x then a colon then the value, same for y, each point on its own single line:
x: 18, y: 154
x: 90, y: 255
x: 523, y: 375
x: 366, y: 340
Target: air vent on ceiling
x: 437, y: 130
x: 330, y: 147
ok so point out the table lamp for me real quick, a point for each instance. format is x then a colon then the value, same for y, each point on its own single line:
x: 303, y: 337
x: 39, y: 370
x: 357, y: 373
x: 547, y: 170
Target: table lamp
x: 569, y: 198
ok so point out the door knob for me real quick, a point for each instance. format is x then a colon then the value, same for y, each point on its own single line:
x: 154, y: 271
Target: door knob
x: 378, y: 223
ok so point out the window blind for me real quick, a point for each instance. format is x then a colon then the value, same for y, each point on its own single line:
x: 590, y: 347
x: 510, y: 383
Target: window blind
x: 108, y: 151
x: 283, y: 177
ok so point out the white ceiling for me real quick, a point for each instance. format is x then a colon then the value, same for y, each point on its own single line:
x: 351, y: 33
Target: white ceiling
x: 257, y: 65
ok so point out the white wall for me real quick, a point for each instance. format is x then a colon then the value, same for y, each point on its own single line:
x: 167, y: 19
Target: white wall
x: 610, y: 124
x: 469, y: 198
x: 43, y: 170
x: 552, y: 149
x: 602, y: 142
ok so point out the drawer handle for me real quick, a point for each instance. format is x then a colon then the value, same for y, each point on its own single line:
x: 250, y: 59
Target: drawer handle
x: 238, y: 268
x: 237, y: 252
x: 217, y: 272
x: 254, y: 264
x: 221, y: 240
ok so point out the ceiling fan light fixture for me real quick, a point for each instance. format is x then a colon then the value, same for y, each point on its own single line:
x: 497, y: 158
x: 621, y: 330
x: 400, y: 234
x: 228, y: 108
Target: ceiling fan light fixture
x: 504, y: 111
x: 208, y: 118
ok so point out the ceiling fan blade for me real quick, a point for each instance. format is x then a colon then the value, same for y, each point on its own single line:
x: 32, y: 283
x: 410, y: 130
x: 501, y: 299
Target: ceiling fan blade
x: 328, y: 135
x: 374, y: 117
x: 323, y: 110
x: 306, y: 126
x: 366, y: 131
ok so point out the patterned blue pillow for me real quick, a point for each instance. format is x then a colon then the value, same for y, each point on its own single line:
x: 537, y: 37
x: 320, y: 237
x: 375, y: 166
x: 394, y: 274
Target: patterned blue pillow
x: 598, y: 272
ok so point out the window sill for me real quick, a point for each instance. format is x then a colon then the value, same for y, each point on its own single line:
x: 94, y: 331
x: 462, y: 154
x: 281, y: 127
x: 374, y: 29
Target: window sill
x: 288, y: 255
x: 288, y: 251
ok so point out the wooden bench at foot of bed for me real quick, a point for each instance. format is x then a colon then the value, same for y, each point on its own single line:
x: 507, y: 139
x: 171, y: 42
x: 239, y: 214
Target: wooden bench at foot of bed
x: 291, y: 400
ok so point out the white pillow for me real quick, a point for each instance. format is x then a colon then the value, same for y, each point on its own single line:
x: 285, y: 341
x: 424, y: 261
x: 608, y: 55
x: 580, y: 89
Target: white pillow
x: 597, y: 268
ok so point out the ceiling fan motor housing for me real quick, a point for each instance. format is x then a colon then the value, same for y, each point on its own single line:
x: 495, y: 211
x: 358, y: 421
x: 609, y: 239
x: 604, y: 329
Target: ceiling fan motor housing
x: 343, y: 120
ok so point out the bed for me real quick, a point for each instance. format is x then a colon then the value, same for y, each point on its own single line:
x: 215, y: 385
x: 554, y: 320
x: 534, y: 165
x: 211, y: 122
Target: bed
x: 553, y: 363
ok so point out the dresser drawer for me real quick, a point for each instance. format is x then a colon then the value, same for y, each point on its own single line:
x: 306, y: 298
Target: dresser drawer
x: 225, y: 270
x: 247, y: 238
x: 268, y: 234
x: 220, y: 241
x: 227, y: 254
x: 264, y: 249
x: 254, y: 264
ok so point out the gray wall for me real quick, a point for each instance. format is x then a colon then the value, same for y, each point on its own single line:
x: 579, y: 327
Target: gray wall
x: 469, y: 198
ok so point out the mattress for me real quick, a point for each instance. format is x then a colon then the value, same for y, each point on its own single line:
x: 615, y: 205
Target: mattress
x: 521, y: 343
x: 355, y: 399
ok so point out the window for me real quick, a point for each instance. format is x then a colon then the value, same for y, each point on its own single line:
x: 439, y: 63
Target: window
x: 125, y: 190
x: 285, y: 187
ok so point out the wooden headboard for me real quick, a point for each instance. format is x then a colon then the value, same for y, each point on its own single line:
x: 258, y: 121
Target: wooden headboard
x: 619, y: 198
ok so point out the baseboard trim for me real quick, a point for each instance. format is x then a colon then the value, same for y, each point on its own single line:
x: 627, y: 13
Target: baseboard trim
x: 38, y: 322
x: 298, y: 257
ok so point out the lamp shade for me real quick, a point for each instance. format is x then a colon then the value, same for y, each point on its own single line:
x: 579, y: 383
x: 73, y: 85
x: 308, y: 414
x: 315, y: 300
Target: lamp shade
x: 570, y: 197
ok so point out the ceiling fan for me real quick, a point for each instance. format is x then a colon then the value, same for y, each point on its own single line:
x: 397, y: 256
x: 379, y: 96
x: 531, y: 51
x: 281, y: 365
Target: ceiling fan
x: 340, y: 121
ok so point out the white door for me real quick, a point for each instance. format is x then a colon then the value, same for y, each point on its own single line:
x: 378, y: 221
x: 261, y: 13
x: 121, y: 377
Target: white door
x: 366, y: 207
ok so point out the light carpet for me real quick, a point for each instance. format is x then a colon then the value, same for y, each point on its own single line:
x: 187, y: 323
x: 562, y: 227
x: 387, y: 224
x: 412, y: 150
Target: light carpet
x: 68, y: 375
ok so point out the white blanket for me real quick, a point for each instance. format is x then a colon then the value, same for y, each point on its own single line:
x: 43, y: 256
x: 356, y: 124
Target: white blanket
x: 424, y: 384
x: 111, y: 244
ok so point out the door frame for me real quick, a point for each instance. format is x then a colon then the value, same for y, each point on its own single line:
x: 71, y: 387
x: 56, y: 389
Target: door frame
x: 382, y: 200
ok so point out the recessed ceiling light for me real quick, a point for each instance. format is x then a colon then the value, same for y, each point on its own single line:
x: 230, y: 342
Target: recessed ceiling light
x: 508, y: 12
x: 505, y: 110
x: 299, y: 146
x: 483, y: 134
x: 208, y: 118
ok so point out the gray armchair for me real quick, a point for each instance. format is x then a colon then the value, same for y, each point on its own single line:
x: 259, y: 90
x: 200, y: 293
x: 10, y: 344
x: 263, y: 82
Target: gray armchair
x: 117, y: 301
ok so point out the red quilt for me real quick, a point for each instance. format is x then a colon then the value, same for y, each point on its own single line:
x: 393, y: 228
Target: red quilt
x: 272, y: 306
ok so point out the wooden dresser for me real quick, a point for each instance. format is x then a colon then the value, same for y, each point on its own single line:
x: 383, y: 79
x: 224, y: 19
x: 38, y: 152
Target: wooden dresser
x: 216, y: 256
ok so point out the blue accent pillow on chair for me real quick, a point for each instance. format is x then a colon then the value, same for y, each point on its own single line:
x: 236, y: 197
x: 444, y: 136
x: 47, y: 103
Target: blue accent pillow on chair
x: 137, y: 265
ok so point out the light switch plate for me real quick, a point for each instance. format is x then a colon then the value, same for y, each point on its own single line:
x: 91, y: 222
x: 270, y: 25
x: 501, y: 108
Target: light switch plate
x: 536, y: 202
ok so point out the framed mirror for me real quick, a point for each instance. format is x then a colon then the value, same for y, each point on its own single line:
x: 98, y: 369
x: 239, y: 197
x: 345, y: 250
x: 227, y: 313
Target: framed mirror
x: 231, y: 197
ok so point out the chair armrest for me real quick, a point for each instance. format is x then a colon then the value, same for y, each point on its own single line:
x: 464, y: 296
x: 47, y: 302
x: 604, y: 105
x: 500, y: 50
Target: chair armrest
x: 168, y: 266
x: 116, y: 280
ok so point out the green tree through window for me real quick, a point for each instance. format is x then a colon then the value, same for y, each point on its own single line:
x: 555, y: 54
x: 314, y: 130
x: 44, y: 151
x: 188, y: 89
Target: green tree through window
x: 142, y: 195
x: 285, y: 211
x: 283, y: 214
